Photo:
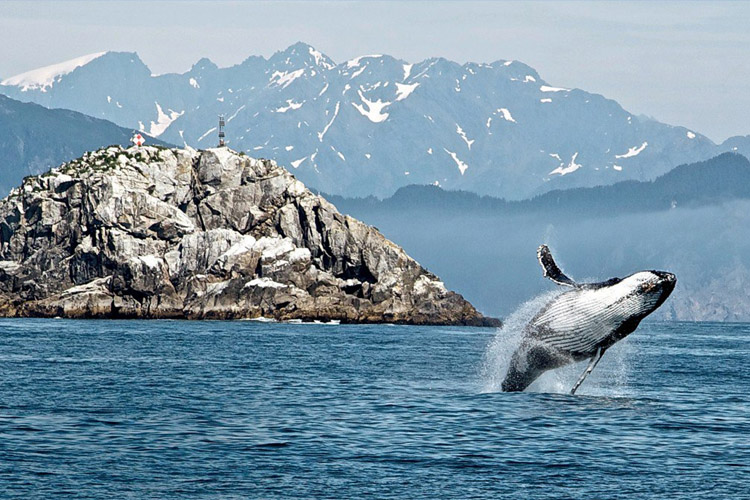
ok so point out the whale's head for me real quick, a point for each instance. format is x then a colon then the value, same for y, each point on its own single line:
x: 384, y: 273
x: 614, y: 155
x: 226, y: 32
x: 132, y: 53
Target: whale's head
x: 645, y: 291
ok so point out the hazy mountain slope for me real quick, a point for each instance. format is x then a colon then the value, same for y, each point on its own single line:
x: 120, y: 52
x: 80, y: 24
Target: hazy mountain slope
x: 375, y: 123
x: 33, y: 138
x: 491, y: 258
x: 694, y: 221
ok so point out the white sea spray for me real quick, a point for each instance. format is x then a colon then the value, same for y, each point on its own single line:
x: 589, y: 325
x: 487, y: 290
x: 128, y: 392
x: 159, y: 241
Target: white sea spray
x: 497, y: 356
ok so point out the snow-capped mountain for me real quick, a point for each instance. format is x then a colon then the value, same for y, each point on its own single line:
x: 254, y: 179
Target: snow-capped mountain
x: 375, y: 123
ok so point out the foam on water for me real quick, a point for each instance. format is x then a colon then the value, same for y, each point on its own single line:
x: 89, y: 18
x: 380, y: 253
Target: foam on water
x: 608, y: 379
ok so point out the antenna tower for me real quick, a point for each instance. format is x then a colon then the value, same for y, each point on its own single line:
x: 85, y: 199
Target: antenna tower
x: 221, y: 131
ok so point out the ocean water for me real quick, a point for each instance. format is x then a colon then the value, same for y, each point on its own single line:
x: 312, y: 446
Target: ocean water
x: 175, y: 409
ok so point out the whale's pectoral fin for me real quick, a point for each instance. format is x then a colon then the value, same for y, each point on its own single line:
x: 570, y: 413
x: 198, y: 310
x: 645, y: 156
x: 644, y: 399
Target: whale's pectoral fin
x: 550, y: 269
x: 592, y: 364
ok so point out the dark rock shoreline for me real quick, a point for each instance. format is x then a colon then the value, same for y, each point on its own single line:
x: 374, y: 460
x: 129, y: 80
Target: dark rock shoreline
x: 149, y: 232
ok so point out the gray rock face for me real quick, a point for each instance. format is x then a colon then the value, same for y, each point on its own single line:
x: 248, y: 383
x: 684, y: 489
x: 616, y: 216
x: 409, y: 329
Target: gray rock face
x: 158, y: 233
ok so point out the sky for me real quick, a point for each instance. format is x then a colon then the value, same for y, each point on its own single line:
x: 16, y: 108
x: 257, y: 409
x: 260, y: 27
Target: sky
x: 683, y: 63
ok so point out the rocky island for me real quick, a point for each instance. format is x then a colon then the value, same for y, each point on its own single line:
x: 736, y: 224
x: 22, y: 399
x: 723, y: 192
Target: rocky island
x: 151, y: 232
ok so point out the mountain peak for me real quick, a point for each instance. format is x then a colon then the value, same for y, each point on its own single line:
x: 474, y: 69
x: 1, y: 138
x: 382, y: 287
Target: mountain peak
x: 204, y: 64
x: 304, y: 53
x: 45, y: 77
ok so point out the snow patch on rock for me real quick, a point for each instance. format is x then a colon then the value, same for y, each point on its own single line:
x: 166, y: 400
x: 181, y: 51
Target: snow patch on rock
x: 634, y: 151
x: 284, y: 78
x: 320, y: 59
x: 506, y: 114
x: 407, y: 70
x: 403, y: 90
x: 290, y: 105
x: 570, y: 168
x: 328, y: 125
x: 460, y: 164
x: 547, y: 88
x: 461, y: 133
x: 353, y: 63
x: 374, y: 111
x: 297, y: 163
x: 163, y: 120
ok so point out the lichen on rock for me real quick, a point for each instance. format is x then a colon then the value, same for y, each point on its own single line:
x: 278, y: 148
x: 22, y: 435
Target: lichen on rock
x: 149, y: 232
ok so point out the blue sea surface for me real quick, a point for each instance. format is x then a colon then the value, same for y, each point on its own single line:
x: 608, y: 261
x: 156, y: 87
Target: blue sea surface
x: 177, y: 409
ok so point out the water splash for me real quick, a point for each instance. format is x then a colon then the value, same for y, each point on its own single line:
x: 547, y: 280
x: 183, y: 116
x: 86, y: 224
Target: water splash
x: 609, y: 379
x: 497, y: 356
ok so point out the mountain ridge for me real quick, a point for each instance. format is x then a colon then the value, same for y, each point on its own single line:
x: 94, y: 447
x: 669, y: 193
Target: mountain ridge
x: 693, y: 221
x: 719, y: 179
x: 375, y: 123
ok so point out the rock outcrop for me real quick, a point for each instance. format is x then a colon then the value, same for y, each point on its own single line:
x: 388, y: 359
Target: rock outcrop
x: 149, y: 232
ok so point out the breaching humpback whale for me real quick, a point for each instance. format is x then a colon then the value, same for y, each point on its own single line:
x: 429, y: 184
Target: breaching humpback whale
x: 584, y: 322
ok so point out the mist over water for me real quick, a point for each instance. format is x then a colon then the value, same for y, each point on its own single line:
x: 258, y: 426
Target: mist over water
x: 491, y: 258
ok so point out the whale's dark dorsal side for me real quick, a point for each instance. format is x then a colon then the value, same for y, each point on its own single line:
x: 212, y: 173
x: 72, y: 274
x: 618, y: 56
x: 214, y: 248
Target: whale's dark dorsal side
x: 583, y: 322
x: 550, y: 269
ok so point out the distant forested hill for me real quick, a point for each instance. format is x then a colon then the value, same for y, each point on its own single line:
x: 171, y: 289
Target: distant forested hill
x: 725, y: 177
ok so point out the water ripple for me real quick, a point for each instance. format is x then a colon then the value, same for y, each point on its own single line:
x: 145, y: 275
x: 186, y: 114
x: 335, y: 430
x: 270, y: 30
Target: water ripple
x: 174, y: 409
